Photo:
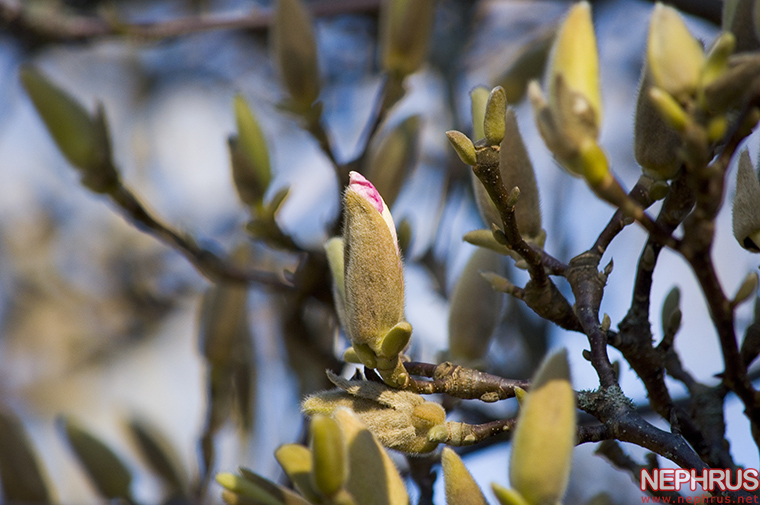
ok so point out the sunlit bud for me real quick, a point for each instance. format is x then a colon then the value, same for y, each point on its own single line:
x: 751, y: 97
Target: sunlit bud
x: 669, y: 109
x: 392, y: 157
x: 82, y: 138
x: 520, y: 395
x: 508, y: 496
x: 463, y: 146
x: 251, y: 170
x: 295, y: 50
x: 255, y: 490
x: 575, y: 60
x: 374, y: 284
x: 493, y: 122
x: 674, y: 57
x: 461, y: 488
x: 739, y: 19
x: 478, y: 100
x: 400, y: 419
x: 298, y: 464
x: 517, y: 171
x: 543, y: 442
x: 747, y: 289
x: 328, y: 451
x: 474, y: 309
x: 670, y: 306
x: 373, y: 479
x: 335, y: 260
x: 655, y: 142
x: 485, y: 238
x: 405, y: 28
x: 717, y: 59
x: 746, y: 211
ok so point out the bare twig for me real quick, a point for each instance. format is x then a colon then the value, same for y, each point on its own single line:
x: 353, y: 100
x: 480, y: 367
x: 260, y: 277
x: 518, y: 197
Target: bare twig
x: 461, y: 382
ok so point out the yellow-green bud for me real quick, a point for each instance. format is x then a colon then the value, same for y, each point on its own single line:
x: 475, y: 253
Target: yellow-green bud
x: 478, y: 100
x: 243, y: 488
x: 461, y: 488
x: 223, y: 322
x: 674, y: 57
x: 251, y: 169
x: 545, y: 435
x: 295, y: 50
x: 494, y: 126
x: 669, y: 108
x: 328, y: 451
x: 474, y: 309
x: 335, y: 260
x: 405, y: 28
x: 298, y: 464
x: 373, y: 479
x: 746, y: 208
x: 748, y: 288
x: 82, y: 138
x: 655, y: 142
x: 739, y: 18
x: 463, y: 146
x: 670, y: 306
x: 717, y: 59
x: 508, y: 496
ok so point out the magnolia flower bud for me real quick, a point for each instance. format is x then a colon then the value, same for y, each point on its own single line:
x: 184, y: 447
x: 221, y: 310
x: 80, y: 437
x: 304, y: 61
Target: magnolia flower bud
x: 400, y: 419
x: 374, y: 282
x: 739, y: 18
x: 544, y: 439
x: 478, y: 100
x: 461, y: 488
x: 405, y: 27
x: 508, y: 496
x: 746, y: 211
x: 336, y: 261
x: 655, y: 142
x: 674, y: 57
x: 494, y: 126
x: 328, y: 450
x: 295, y: 50
x: 463, y: 146
x: 298, y: 464
x: 251, y: 170
x: 391, y: 158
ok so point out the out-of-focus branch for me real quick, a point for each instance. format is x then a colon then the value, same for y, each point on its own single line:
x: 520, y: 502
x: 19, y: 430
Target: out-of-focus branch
x: 57, y: 26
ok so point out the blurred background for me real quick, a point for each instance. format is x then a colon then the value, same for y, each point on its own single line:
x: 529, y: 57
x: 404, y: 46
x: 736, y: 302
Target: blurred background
x: 100, y: 322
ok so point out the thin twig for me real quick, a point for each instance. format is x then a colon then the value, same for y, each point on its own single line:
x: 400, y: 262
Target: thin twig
x: 461, y: 382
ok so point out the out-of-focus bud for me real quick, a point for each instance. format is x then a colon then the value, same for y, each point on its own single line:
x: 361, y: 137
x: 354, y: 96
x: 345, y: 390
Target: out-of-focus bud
x: 463, y: 146
x: 82, y: 138
x: 392, y: 157
x: 674, y: 57
x: 729, y: 90
x: 298, y: 464
x: 374, y: 282
x: 405, y: 28
x: 747, y: 289
x: 508, y: 496
x: 400, y: 419
x: 746, y: 210
x: 717, y: 59
x: 335, y: 260
x: 738, y: 18
x: 543, y: 442
x: 373, y: 479
x: 669, y: 109
x: 528, y: 64
x: 494, y: 126
x: 251, y: 169
x: 670, y: 307
x: 478, y: 100
x: 575, y: 61
x: 295, y: 50
x: 461, y: 488
x: 328, y: 450
x: 474, y: 309
x: 252, y: 489
x: 655, y: 143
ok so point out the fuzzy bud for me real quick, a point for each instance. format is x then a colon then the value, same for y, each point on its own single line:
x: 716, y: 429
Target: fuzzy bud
x: 328, y: 452
x: 298, y: 464
x: 494, y: 126
x: 746, y: 208
x: 508, y: 496
x: 295, y: 51
x: 655, y: 142
x: 461, y: 488
x: 478, y: 100
x: 251, y: 170
x: 463, y: 146
x: 405, y: 28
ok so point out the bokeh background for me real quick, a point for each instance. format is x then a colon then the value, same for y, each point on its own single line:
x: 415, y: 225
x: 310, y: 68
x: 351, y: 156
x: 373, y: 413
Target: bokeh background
x: 99, y: 321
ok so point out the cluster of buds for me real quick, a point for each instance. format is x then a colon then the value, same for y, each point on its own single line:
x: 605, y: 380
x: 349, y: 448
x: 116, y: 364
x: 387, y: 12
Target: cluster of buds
x: 368, y: 283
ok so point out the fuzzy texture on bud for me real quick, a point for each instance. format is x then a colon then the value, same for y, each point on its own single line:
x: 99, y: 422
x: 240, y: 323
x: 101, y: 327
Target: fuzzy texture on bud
x: 746, y: 209
x: 655, y: 143
x: 400, y: 419
x: 295, y: 51
x: 405, y: 28
x: 461, y: 488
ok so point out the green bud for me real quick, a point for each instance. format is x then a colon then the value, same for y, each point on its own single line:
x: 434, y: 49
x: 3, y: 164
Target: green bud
x: 494, y: 126
x: 545, y: 435
x: 461, y: 488
x: 405, y: 28
x: 82, y: 138
x: 748, y: 288
x: 242, y: 491
x: 223, y: 322
x: 396, y: 340
x: 328, y: 452
x: 106, y: 470
x: 478, y: 100
x: 655, y: 142
x: 659, y: 190
x: 335, y: 260
x: 508, y: 496
x: 669, y: 109
x: 717, y: 59
x: 674, y: 57
x: 373, y: 479
x: 463, y: 146
x: 739, y: 19
x: 474, y: 309
x: 575, y: 60
x: 251, y: 170
x: 670, y: 305
x: 485, y: 238
x: 521, y: 395
x: 391, y: 158
x: 528, y: 63
x: 746, y: 208
x: 400, y: 419
x: 23, y: 476
x: 729, y: 90
x: 295, y: 50
x: 298, y: 464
